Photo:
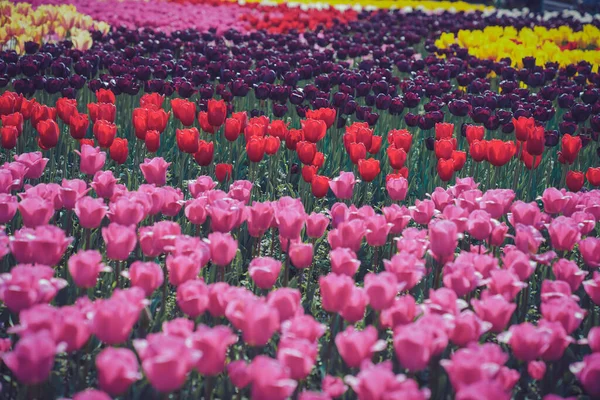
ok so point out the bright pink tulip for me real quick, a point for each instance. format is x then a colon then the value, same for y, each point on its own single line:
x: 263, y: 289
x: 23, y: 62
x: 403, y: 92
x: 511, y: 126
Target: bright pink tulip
x: 299, y: 355
x: 564, y: 233
x: 536, y: 369
x: 28, y: 285
x: 554, y: 200
x: 563, y: 310
x: 461, y: 277
x: 104, y: 184
x: 303, y: 327
x: 120, y: 240
x: 441, y: 198
x: 402, y: 312
x: 45, y: 245
x: 398, y: 216
x: 34, y: 162
x: 71, y: 191
x: 223, y: 248
x: 258, y: 321
x: 525, y: 213
x: 286, y: 301
x: 592, y: 287
x: 241, y: 191
x: 388, y: 384
x: 85, y: 266
x: 558, y: 340
x: 155, y: 170
x: 71, y: 328
x: 518, y: 263
x: 201, y: 185
x: 484, y: 389
x: 264, y: 271
x: 195, y: 211
x: 587, y: 373
x: 316, y: 224
x: 126, y: 212
x: 270, y: 379
x: 407, y: 268
x: 343, y: 185
x: 239, y: 373
x: 416, y: 343
x: 422, y: 211
x: 568, y: 271
x: 356, y: 346
x: 181, y: 269
x: 290, y: 222
x: 343, y: 261
x: 161, y: 238
x: 593, y: 339
x: 443, y: 239
x: 225, y: 214
x: 381, y: 289
x: 356, y: 305
x: 8, y: 207
x: 259, y: 217
x: 335, y: 291
x: 92, y: 159
x: 498, y: 234
x: 377, y: 230
x: 181, y: 327
x: 333, y: 386
x: 32, y: 358
x: 590, y: 251
x: 192, y: 297
x: 467, y: 329
x: 148, y: 276
x: 494, y: 309
x: 527, y: 341
x: 479, y: 225
x: 301, y: 254
x: 90, y: 212
x: 347, y: 234
x: 213, y: 343
x: 114, y: 318
x: 35, y: 211
x: 118, y: 369
x: 397, y: 188
x: 505, y: 283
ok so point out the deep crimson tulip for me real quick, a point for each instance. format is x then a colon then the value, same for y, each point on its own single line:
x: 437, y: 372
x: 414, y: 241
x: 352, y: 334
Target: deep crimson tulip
x: 445, y: 169
x: 536, y: 141
x: 223, y: 172
x: 8, y: 103
x: 593, y: 176
x: 187, y: 140
x: 531, y: 162
x: 357, y: 152
x: 102, y: 111
x: 368, y: 169
x: 396, y: 156
x: 15, y: 119
x: 293, y: 137
x: 444, y: 148
x: 500, y: 152
x: 314, y: 129
x: 78, y: 125
x: 459, y: 158
x: 204, y: 155
x: 400, y: 138
x: 48, y: 133
x: 443, y: 130
x: 233, y: 128
x: 575, y: 180
x: 523, y: 127
x: 474, y: 132
x: 184, y: 110
x: 278, y: 129
x: 204, y: 124
x: 217, y: 112
x: 375, y: 145
x: 241, y: 116
x: 119, y: 150
x: 478, y: 150
x: 140, y: 122
x: 308, y: 173
x: 272, y: 144
x: 8, y: 136
x: 306, y: 152
x: 27, y: 107
x: 152, y: 101
x: 319, y: 186
x: 157, y: 120
x: 105, y: 133
x: 255, y: 148
x: 569, y: 149
x: 152, y: 141
x: 105, y: 96
x: 319, y: 160
x: 42, y: 112
x: 66, y: 107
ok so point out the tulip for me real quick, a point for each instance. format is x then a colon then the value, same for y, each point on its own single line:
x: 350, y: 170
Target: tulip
x: 523, y: 128
x: 593, y: 176
x: 443, y: 239
x: 264, y: 271
x: 397, y: 188
x: 586, y: 373
x: 113, y: 318
x: 48, y: 133
x: 255, y: 148
x: 155, y: 170
x: 223, y: 172
x: 35, y: 211
x: 443, y: 130
x: 570, y: 147
x: 217, y: 112
x: 119, y: 150
x: 590, y: 251
x: 8, y: 137
x: 416, y: 343
x: 120, y: 240
x: 499, y: 152
x: 575, y: 180
x: 233, y: 128
x: 184, y: 111
x: 258, y: 322
x: 473, y: 133
x: 118, y: 369
x: 147, y: 276
x: 564, y: 233
x: 84, y: 267
x: 495, y: 310
x: 92, y: 159
x: 223, y: 248
x: 14, y: 120
x: 33, y: 358
x: 152, y: 141
x: 368, y: 169
x: 335, y: 291
x: 301, y: 254
x: 152, y: 101
x: 314, y: 129
x: 213, y: 344
x: 192, y: 297
x: 46, y: 244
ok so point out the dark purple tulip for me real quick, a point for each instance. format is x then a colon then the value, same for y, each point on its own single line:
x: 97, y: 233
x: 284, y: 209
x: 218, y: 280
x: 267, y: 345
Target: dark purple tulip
x: 279, y: 110
x: 291, y: 78
x: 480, y: 114
x: 590, y: 96
x: 430, y: 143
x: 492, y: 123
x: 396, y: 106
x: 154, y: 85
x: 549, y: 92
x: 411, y: 119
x: 504, y: 116
x: 185, y: 89
x: 566, y: 100
x: 411, y: 100
x: 350, y: 107
x: 508, y: 128
x: 551, y: 138
x: 371, y: 118
x: 567, y: 127
x: 31, y: 47
x: 296, y: 97
x: 310, y: 91
x: 339, y: 99
x: 239, y: 88
x: 301, y: 111
x: 585, y: 140
x: 320, y: 103
x: 521, y: 112
x: 370, y: 100
x: 595, y: 123
x: 256, y: 113
x: 340, y: 122
x: 262, y: 90
x: 580, y: 112
x: 206, y: 91
x: 77, y: 81
x: 529, y: 62
x: 459, y: 108
x: 426, y: 122
x: 55, y: 85
x: 168, y: 89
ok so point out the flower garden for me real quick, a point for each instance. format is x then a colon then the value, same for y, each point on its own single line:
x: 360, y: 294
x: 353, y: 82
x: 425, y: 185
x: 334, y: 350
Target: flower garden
x: 202, y: 199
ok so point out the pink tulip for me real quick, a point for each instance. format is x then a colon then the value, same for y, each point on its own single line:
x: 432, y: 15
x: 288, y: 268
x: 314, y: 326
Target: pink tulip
x: 195, y: 211
x: 505, y: 283
x: 239, y: 374
x: 118, y: 369
x: 518, y: 263
x: 316, y: 224
x: 356, y: 305
x: 587, y: 373
x: 201, y: 185
x: 71, y: 191
x: 301, y: 254
x: 223, y: 248
x: 343, y: 261
x: 563, y: 310
x: 104, y: 184
x: 593, y: 339
x: 467, y: 329
x: 26, y: 285
x: 388, y: 384
x: 592, y: 287
x: 257, y: 320
x: 494, y: 309
x: 527, y: 239
x: 335, y: 291
x: 161, y: 238
x: 180, y: 327
x: 397, y: 188
x: 213, y: 344
x: 525, y: 213
x: 47, y: 191
x: 381, y: 289
x: 554, y: 200
x: 441, y: 198
x: 356, y: 346
x: 484, y: 389
x: 126, y: 212
x: 398, y: 216
x: 558, y: 340
x: 443, y: 239
x: 555, y: 290
x: 7, y: 182
x: 458, y: 215
x: 35, y: 211
x: 114, y: 318
x: 155, y: 170
x: 172, y: 201
x: 32, y: 358
x: 148, y: 276
x: 270, y: 379
x: 181, y: 269
x: 377, y: 230
x: 479, y: 225
x: 241, y: 191
x: 402, y: 312
x: 166, y: 360
x: 34, y: 162
x: 416, y: 343
x: 339, y: 213
x: 498, y: 234
x: 225, y: 214
x: 290, y: 222
x: 92, y: 159
x: 568, y: 271
x: 422, y: 211
x: 585, y: 220
x: 590, y: 251
x: 192, y: 297
x: 564, y: 233
x: 333, y: 386
x: 45, y: 245
x: 259, y: 217
x: 84, y: 267
x: 343, y: 185
x: 218, y: 298
x: 461, y: 277
x: 286, y: 301
x: 120, y: 240
x: 536, y: 369
x: 347, y: 234
x: 264, y: 271
x: 72, y: 328
x: 299, y: 355
x: 90, y: 212
x: 8, y: 207
x: 527, y: 341
x: 407, y: 268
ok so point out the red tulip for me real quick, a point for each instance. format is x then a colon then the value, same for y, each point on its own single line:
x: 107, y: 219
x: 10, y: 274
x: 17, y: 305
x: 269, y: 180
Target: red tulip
x: 152, y: 141
x: 536, y: 141
x: 459, y: 158
x: 105, y: 96
x: 400, y: 138
x: 474, y: 132
x: 529, y: 159
x: 48, y: 131
x: 500, y: 152
x: 478, y: 150
x: 15, y: 119
x: 152, y: 101
x: 396, y: 156
x: 217, y: 112
x: 575, y: 180
x: 523, y: 126
x: 272, y: 144
x: 78, y: 125
x: 254, y: 130
x: 102, y: 111
x: 66, y: 107
x: 8, y: 103
x: 444, y: 148
x: 104, y: 132
x: 375, y: 144
x: 27, y: 107
x: 204, y: 155
x: 233, y: 128
x: 319, y: 160
x: 8, y: 136
x: 445, y: 169
x: 357, y: 152
x: 443, y: 130
x: 314, y: 129
x: 187, y: 140
x: 306, y: 152
x: 42, y: 112
x: 326, y: 115
x: 278, y: 129
x: 293, y: 137
x: 157, y: 120
x: 241, y: 116
x: 140, y: 122
x: 223, y: 172
x: 593, y: 176
x: 319, y: 186
x: 570, y: 149
x: 308, y: 173
x: 184, y: 111
x: 255, y: 148
x: 204, y: 124
x: 119, y: 150
x: 368, y: 169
